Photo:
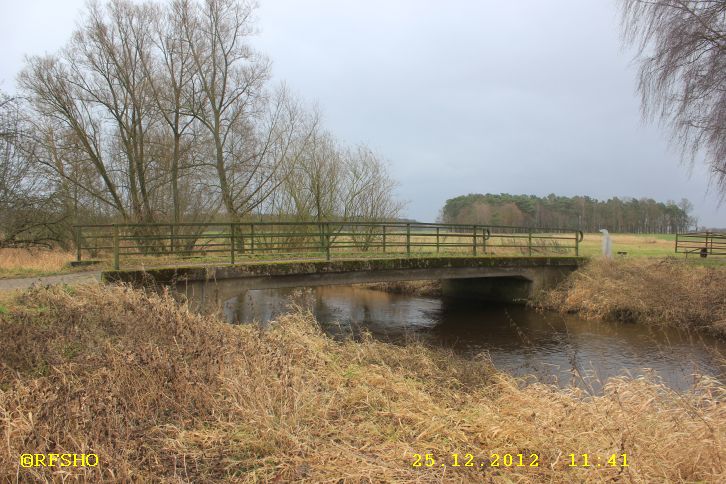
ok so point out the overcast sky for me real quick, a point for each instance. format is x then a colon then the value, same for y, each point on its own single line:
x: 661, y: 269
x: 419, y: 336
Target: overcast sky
x: 461, y: 97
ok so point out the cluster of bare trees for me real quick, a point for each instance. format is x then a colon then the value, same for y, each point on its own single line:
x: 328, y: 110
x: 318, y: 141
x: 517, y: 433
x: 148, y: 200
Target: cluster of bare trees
x: 162, y: 111
x: 332, y: 182
x: 28, y: 211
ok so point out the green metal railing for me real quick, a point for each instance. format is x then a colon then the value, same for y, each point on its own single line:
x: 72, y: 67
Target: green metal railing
x: 702, y: 243
x: 238, y: 241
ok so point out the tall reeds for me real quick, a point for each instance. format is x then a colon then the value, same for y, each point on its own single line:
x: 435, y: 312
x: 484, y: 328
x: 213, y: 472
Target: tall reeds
x: 664, y: 292
x: 160, y: 393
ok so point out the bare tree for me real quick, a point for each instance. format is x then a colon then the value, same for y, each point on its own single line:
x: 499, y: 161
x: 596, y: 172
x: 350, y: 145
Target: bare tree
x: 96, y: 95
x: 315, y: 182
x: 681, y: 46
x: 230, y: 78
x: 368, y: 189
x: 170, y: 74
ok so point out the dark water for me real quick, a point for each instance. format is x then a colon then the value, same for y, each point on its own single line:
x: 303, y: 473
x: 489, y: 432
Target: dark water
x: 554, y: 349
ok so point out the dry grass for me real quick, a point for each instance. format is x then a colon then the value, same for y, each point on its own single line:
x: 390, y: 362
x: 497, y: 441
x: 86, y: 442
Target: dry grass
x: 25, y: 262
x: 162, y: 394
x: 656, y: 291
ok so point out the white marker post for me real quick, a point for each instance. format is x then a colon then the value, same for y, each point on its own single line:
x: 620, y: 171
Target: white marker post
x: 607, y: 248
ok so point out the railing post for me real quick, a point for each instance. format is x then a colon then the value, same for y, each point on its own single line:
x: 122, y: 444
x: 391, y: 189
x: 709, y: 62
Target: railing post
x: 321, y: 236
x: 384, y: 238
x: 437, y: 239
x: 529, y: 244
x: 172, y: 237
x: 78, y: 243
x: 408, y: 240
x: 474, y: 239
x: 252, y: 238
x: 116, y: 247
x: 484, y: 240
x: 231, y: 243
x: 327, y: 240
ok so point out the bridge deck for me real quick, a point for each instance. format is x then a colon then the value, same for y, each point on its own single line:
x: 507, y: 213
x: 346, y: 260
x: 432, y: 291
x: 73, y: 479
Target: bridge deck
x: 346, y: 271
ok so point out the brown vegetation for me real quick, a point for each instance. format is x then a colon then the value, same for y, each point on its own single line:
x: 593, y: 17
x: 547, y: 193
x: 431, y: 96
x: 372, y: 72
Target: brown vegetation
x: 664, y: 292
x: 20, y: 262
x: 160, y: 393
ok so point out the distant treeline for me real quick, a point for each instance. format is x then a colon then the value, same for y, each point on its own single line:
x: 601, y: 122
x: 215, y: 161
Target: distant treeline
x: 588, y: 214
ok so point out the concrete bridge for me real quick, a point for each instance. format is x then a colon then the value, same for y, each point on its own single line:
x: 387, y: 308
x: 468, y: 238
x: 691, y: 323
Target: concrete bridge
x: 489, y: 278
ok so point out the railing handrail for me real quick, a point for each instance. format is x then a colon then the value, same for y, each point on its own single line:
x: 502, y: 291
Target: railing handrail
x: 280, y: 238
x: 313, y: 223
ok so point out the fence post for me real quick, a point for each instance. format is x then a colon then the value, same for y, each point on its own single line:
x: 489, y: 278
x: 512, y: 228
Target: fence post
x: 676, y: 242
x: 231, y: 243
x: 484, y: 240
x: 577, y: 244
x: 327, y: 240
x: 408, y: 240
x: 437, y: 239
x: 384, y: 238
x: 474, y: 239
x: 529, y: 244
x: 78, y: 243
x: 172, y: 241
x: 116, y: 255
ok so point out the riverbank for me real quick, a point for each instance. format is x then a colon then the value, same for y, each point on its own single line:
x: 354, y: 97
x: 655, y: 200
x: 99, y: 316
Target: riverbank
x: 659, y: 292
x: 655, y: 291
x: 159, y: 392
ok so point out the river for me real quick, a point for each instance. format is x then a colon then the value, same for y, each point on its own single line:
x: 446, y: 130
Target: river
x: 552, y: 348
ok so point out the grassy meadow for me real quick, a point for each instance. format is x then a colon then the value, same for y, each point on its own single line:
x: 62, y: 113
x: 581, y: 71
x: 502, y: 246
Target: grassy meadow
x: 636, y: 245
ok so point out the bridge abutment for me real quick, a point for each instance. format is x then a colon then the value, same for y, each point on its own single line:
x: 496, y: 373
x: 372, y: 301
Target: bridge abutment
x: 516, y: 288
x: 493, y: 289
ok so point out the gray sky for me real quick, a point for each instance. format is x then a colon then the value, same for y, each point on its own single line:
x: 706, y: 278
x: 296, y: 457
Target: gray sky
x: 461, y: 96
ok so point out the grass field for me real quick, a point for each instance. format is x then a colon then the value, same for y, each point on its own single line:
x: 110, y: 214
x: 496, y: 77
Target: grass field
x: 641, y: 245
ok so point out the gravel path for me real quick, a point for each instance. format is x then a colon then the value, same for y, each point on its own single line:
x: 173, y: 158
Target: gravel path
x: 90, y: 277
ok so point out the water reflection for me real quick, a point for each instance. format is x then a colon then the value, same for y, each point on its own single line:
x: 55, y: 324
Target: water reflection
x: 556, y: 349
